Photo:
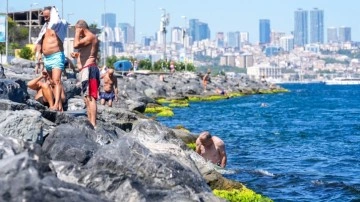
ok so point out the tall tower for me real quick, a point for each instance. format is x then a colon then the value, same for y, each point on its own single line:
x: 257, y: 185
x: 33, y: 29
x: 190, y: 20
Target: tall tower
x: 301, y: 27
x: 264, y: 27
x: 110, y: 19
x: 344, y: 34
x: 332, y: 35
x: 316, y: 26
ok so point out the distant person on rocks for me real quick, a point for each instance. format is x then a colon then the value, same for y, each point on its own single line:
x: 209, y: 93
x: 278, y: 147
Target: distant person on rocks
x: 45, y: 90
x: 87, y: 44
x: 2, y: 72
x: 49, y: 47
x: 211, y: 148
x: 172, y: 67
x: 206, y: 79
x: 135, y: 66
x: 220, y: 91
x: 110, y: 88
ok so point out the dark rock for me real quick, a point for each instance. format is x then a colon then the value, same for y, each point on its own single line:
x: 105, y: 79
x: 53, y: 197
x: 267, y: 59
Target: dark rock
x: 74, y: 142
x: 13, y: 90
x: 25, y: 124
x: 10, y: 105
x: 22, y: 63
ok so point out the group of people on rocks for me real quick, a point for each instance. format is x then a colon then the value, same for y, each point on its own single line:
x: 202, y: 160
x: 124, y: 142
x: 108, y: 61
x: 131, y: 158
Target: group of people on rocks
x: 50, y: 91
x: 51, y: 60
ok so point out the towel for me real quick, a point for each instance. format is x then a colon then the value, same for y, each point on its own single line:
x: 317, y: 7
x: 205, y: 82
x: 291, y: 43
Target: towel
x: 56, y: 23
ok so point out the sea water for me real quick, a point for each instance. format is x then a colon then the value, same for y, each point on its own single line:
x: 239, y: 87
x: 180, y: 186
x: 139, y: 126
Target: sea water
x: 298, y: 146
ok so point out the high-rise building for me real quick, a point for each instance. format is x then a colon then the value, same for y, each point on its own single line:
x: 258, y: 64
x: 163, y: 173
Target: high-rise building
x: 332, y: 35
x: 176, y: 35
x: 275, y: 37
x: 109, y: 19
x: 233, y: 39
x: 287, y: 43
x: 220, y: 39
x: 264, y: 28
x: 300, y: 27
x: 244, y: 37
x: 128, y: 32
x: 316, y: 26
x: 344, y: 34
x: 198, y: 30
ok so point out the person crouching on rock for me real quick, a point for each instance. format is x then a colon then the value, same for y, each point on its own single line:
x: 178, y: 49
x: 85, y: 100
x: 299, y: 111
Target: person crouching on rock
x: 45, y: 90
x: 110, y: 88
x: 212, y: 148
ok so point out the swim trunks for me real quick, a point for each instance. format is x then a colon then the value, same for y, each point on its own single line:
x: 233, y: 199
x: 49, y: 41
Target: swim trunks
x: 90, y: 80
x: 107, y: 96
x: 55, y: 60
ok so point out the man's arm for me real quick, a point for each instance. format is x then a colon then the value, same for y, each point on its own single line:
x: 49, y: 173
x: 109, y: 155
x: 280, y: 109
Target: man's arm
x: 115, y: 87
x: 34, y: 84
x: 81, y: 42
x: 222, y: 153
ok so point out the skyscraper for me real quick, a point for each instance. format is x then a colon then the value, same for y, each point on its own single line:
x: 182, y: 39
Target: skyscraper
x: 128, y: 32
x: 233, y: 39
x: 109, y: 19
x: 332, y: 35
x: 287, y: 43
x: 264, y: 28
x: 316, y: 26
x: 300, y: 27
x: 344, y: 34
x: 198, y: 30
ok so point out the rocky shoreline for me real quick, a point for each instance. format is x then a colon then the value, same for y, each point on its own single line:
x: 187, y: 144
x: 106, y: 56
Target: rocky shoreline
x: 54, y: 156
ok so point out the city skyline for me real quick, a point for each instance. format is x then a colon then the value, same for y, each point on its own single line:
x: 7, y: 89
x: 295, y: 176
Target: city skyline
x: 229, y: 16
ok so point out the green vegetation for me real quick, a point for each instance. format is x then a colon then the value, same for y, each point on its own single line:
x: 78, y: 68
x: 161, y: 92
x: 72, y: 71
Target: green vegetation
x: 179, y: 105
x: 165, y: 113
x: 17, y: 34
x: 243, y: 195
x: 26, y: 53
x: 156, y: 109
x: 192, y: 146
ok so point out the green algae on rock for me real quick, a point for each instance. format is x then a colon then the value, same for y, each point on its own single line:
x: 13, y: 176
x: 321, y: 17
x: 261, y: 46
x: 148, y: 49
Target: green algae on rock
x: 179, y: 104
x: 238, y: 195
x: 165, y: 113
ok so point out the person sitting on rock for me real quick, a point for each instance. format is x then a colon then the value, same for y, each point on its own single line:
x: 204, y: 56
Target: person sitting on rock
x: 212, y: 148
x: 45, y: 90
x: 110, y: 88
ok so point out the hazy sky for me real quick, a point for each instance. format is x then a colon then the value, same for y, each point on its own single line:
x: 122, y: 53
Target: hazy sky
x: 224, y: 15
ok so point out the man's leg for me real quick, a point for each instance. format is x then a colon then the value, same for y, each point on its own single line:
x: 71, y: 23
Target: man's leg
x: 47, y: 94
x: 92, y: 110
x: 110, y: 102
x: 56, y: 77
x: 102, y: 101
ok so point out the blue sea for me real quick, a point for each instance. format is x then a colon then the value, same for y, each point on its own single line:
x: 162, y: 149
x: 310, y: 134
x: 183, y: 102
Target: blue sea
x: 301, y: 146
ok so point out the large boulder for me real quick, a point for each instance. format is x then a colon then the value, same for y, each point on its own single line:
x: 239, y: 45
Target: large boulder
x: 127, y: 171
x: 14, y: 90
x: 22, y: 63
x: 25, y: 124
x: 25, y: 175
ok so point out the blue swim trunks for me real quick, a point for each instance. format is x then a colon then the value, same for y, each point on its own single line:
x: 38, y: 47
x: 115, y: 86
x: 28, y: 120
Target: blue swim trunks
x: 55, y: 60
x: 107, y: 96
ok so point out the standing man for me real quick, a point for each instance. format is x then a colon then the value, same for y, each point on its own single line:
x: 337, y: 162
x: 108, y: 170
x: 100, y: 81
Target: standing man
x: 87, y: 44
x: 50, y: 45
x: 110, y: 88
x: 211, y: 148
x: 206, y: 79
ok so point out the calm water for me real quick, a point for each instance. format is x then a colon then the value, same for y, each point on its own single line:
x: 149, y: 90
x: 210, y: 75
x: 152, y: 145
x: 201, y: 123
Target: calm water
x: 304, y: 146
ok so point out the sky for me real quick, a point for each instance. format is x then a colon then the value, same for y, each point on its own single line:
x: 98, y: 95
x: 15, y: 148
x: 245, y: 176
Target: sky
x: 221, y: 16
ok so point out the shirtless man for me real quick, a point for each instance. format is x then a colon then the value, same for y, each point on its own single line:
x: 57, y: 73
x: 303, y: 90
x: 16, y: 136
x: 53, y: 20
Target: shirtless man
x: 44, y: 90
x: 211, y: 148
x: 50, y: 45
x: 110, y: 88
x: 87, y: 44
x: 206, y: 79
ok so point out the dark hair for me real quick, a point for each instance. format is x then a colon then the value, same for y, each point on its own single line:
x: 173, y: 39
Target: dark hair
x: 82, y: 24
x: 47, y: 8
